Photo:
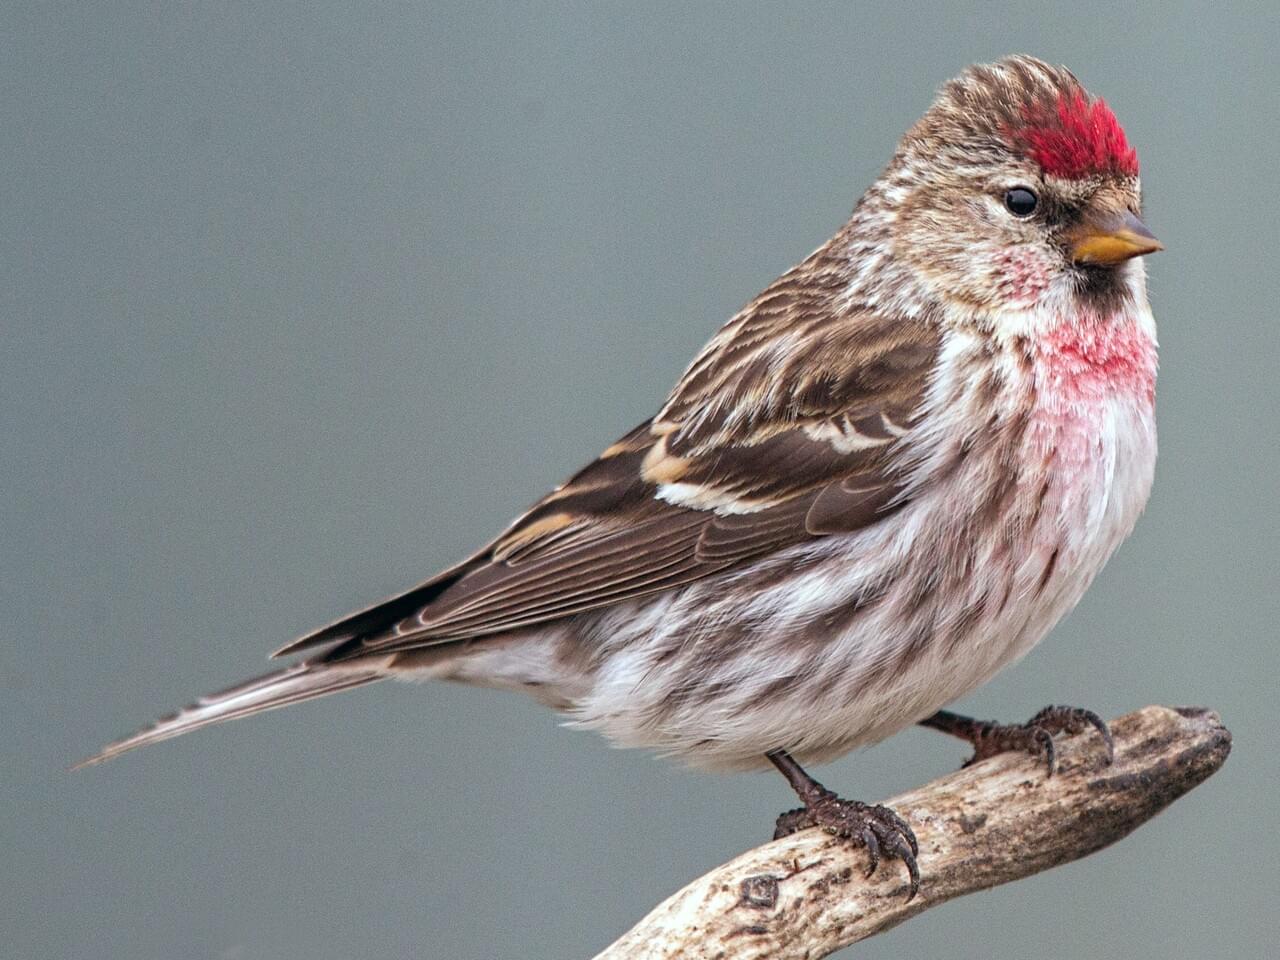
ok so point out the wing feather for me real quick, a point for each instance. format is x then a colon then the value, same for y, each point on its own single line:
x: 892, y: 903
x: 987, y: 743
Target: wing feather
x: 792, y: 424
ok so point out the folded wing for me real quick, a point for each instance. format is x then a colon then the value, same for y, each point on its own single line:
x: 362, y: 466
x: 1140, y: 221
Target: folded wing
x: 793, y: 423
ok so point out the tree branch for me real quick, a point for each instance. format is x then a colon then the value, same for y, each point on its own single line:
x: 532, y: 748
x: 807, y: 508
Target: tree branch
x: 806, y: 895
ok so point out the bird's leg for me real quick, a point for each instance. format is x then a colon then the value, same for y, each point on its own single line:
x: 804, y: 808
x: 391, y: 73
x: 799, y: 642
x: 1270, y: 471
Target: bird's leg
x: 1034, y: 737
x: 877, y: 828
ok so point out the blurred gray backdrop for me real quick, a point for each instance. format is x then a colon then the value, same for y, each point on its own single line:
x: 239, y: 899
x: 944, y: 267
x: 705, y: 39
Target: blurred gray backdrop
x: 300, y: 302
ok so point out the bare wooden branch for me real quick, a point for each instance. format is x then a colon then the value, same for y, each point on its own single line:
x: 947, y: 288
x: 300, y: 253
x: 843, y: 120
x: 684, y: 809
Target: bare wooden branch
x: 806, y: 896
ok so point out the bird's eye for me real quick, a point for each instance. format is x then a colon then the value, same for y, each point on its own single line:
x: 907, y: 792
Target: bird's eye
x: 1020, y: 201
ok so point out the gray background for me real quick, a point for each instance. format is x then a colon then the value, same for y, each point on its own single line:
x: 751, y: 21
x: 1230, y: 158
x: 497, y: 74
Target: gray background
x: 302, y: 301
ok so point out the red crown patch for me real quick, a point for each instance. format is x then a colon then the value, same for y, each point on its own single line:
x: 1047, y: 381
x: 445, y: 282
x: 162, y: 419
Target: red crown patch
x: 1075, y: 138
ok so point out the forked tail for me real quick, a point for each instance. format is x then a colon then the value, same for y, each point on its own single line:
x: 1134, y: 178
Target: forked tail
x: 293, y: 684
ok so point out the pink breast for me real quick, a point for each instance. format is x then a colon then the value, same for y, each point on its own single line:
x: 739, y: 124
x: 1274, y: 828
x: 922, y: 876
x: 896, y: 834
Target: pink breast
x: 1087, y: 361
x: 1080, y: 369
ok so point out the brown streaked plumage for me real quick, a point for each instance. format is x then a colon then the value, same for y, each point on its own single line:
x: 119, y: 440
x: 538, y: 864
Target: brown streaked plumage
x: 882, y: 481
x: 770, y: 471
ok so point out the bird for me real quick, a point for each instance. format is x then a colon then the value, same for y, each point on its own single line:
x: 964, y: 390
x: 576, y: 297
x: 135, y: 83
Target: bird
x: 883, y: 480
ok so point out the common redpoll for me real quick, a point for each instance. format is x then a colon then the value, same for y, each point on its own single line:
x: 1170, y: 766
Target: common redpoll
x: 881, y: 482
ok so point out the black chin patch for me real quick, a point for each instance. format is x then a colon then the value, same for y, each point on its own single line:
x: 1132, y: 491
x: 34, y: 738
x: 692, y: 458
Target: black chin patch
x: 1104, y: 287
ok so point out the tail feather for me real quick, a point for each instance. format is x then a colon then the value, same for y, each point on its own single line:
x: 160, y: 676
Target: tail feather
x: 293, y: 684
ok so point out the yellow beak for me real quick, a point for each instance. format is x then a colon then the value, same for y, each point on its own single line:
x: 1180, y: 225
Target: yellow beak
x: 1112, y: 239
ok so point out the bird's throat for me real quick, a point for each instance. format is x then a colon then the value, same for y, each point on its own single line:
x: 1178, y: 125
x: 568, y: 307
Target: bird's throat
x: 1088, y: 360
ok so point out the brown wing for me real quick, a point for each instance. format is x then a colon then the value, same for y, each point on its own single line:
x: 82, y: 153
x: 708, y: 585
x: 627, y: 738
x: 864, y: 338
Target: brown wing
x: 787, y: 427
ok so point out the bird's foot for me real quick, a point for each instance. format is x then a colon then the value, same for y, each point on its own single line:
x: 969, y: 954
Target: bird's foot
x: 1034, y: 737
x: 879, y: 829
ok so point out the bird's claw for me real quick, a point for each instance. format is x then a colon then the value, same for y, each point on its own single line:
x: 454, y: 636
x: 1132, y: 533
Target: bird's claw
x: 1036, y: 735
x: 880, y: 830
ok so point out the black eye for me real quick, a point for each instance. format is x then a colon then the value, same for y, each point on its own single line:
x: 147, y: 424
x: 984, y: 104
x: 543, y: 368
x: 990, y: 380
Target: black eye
x: 1020, y: 201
